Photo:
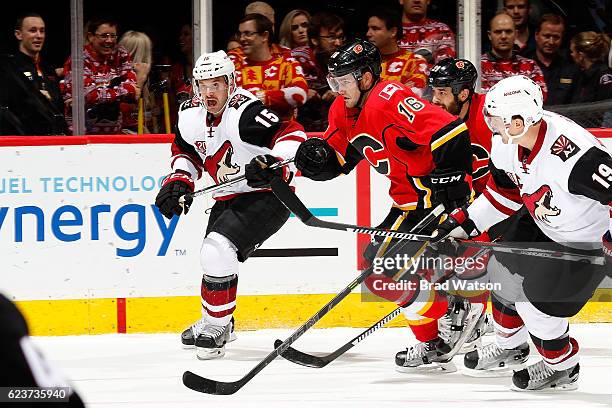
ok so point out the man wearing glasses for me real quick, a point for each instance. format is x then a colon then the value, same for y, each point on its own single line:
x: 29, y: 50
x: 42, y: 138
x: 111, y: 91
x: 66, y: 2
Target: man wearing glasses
x: 326, y: 35
x: 278, y: 82
x: 109, y: 78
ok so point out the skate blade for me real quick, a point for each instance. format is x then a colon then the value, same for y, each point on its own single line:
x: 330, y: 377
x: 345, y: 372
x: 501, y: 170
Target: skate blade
x: 187, y: 346
x: 496, y: 373
x: 550, y: 390
x: 441, y: 368
x: 209, y: 354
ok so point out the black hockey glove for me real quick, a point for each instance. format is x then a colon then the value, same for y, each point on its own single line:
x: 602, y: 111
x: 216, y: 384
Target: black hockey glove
x: 174, y: 187
x: 450, y: 188
x: 312, y: 156
x: 258, y: 174
x: 457, y: 225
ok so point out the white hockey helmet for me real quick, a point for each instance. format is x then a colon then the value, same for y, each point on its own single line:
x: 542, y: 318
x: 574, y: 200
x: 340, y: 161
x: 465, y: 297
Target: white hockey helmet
x: 511, y: 97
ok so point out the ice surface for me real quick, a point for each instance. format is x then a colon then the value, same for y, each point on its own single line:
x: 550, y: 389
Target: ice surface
x: 145, y: 371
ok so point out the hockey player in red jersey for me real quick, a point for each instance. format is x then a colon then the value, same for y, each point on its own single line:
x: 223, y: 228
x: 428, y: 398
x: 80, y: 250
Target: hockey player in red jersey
x: 452, y: 85
x: 561, y: 175
x: 227, y: 132
x: 424, y: 152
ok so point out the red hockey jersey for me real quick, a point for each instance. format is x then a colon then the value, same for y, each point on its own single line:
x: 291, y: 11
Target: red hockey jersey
x: 403, y: 137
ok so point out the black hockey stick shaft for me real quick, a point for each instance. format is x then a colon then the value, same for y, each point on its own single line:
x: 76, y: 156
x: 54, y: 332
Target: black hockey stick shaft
x: 208, y: 386
x: 309, y: 360
x: 295, y: 205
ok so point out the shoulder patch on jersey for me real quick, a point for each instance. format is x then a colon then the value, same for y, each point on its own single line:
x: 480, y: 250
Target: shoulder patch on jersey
x: 564, y: 148
x: 238, y: 100
x: 605, y: 79
x: 190, y: 103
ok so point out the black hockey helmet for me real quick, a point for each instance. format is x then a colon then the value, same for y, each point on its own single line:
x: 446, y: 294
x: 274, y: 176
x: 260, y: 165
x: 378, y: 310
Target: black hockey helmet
x: 458, y: 74
x: 355, y: 58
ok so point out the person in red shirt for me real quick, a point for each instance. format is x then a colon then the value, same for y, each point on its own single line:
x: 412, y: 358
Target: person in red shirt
x: 278, y: 82
x: 420, y: 148
x: 384, y: 30
x: 501, y: 62
x: 431, y: 39
x: 109, y: 79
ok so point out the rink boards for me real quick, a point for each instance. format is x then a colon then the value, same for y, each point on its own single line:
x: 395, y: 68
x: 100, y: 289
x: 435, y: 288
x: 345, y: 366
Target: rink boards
x: 84, y: 250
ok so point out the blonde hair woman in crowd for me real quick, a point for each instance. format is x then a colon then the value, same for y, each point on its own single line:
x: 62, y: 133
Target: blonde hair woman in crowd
x: 294, y: 29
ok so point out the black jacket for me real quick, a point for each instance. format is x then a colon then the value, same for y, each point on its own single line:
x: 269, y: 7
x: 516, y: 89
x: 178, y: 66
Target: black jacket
x: 24, y: 110
x: 594, y: 84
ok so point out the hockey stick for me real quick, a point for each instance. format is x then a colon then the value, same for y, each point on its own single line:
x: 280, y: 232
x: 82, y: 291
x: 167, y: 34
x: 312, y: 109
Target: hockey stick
x: 208, y: 386
x: 212, y: 189
x: 295, y: 205
x: 309, y: 360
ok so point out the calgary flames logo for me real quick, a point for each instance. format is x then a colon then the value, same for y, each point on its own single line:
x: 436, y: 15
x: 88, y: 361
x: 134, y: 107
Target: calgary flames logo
x: 539, y: 204
x: 219, y: 165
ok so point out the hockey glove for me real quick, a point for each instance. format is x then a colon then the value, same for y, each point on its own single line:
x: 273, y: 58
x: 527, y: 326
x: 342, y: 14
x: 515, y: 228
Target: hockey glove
x: 457, y: 225
x: 312, y: 156
x: 450, y: 188
x: 174, y: 187
x: 607, y: 246
x: 258, y: 174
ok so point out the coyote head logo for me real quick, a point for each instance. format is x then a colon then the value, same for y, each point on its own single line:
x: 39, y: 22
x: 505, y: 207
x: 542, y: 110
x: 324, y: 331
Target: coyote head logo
x: 219, y: 165
x: 539, y: 204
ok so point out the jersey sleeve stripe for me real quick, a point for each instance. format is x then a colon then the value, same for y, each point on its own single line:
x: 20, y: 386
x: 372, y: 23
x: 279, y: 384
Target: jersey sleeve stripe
x: 184, y: 162
x: 500, y: 203
x: 427, y: 196
x: 442, y: 139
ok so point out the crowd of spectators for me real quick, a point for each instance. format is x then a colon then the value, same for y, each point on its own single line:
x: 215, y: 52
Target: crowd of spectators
x: 287, y: 68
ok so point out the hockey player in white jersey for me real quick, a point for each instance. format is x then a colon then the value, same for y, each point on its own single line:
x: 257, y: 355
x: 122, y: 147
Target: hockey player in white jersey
x: 227, y: 132
x: 560, y: 175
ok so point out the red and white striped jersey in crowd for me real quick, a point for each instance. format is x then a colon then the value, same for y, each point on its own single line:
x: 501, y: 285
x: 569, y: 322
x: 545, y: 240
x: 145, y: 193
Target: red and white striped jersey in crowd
x: 429, y: 38
x: 107, y: 79
x: 313, y: 71
x: 494, y: 69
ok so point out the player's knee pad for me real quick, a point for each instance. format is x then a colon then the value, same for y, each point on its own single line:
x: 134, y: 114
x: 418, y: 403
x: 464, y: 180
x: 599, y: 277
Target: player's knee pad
x: 218, y: 256
x: 540, y: 324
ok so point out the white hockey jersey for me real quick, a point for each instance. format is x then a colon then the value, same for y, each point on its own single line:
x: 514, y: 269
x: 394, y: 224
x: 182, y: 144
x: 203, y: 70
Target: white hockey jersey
x: 222, y: 146
x: 564, y: 182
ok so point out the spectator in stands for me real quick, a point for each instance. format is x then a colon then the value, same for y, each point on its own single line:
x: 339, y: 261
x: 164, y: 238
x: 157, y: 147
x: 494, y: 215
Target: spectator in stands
x: 326, y: 35
x: 277, y: 81
x: 501, y: 62
x: 181, y: 72
x: 109, y: 79
x: 294, y: 29
x: 524, y: 40
x: 384, y: 30
x: 559, y: 73
x: 140, y: 49
x: 263, y: 8
x: 589, y: 50
x: 431, y: 39
x: 30, y: 99
x: 233, y: 42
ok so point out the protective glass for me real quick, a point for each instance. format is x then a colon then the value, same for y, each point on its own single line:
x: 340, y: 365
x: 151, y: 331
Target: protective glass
x: 343, y: 82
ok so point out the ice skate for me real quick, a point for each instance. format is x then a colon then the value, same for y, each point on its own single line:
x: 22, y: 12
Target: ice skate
x: 189, y: 335
x: 425, y: 356
x: 460, y: 323
x: 484, y: 326
x: 210, y: 343
x: 542, y: 378
x: 493, y: 361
